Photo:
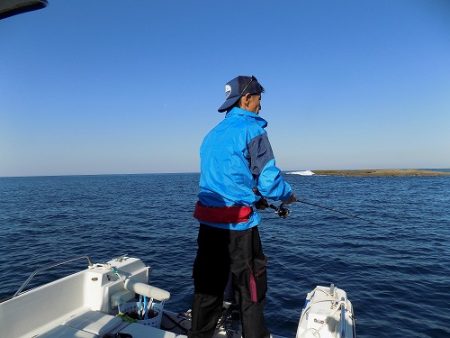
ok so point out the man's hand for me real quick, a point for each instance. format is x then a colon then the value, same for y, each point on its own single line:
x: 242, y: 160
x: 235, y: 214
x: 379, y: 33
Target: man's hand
x: 290, y: 199
x: 262, y: 204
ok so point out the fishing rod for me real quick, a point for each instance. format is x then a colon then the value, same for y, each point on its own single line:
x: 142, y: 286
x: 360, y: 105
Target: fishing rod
x: 337, y: 211
x: 284, y: 212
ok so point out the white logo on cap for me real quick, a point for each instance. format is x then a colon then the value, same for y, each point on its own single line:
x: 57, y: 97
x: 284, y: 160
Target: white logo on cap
x: 227, y: 90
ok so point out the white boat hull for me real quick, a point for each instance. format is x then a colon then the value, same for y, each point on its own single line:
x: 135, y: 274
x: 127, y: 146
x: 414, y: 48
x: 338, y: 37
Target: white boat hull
x: 95, y: 303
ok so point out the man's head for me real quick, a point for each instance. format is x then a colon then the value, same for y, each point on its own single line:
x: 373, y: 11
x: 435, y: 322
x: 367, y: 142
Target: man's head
x: 243, y: 91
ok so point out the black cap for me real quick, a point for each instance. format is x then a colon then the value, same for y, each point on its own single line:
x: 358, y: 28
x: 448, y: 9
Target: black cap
x: 238, y: 87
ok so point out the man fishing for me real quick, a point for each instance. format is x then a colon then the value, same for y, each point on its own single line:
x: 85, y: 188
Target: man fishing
x: 238, y: 174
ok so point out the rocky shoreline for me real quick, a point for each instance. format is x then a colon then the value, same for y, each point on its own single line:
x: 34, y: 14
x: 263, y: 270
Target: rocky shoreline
x: 381, y: 172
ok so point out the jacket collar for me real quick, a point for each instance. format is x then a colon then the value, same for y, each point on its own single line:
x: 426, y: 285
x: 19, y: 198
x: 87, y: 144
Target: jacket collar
x: 239, y: 111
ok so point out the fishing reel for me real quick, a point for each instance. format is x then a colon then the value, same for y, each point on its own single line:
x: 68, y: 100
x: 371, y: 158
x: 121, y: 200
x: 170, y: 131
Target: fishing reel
x: 281, y: 211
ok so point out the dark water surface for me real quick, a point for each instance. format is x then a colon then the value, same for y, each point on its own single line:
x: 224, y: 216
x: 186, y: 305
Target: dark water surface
x: 396, y: 273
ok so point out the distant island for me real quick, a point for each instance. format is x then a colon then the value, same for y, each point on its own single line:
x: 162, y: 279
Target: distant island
x: 382, y: 172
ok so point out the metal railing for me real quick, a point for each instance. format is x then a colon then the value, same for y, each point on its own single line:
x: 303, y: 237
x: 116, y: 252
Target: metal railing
x: 343, y: 322
x: 25, y: 284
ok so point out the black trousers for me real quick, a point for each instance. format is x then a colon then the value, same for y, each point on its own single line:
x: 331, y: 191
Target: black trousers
x: 221, y: 253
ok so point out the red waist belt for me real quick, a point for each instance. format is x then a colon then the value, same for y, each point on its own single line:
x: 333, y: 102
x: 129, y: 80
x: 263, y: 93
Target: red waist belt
x: 233, y: 214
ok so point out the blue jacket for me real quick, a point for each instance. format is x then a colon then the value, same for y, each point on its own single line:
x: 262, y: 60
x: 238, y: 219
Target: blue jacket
x: 236, y: 157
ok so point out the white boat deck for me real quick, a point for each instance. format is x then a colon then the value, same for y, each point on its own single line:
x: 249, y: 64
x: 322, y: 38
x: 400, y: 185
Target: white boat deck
x: 78, y: 306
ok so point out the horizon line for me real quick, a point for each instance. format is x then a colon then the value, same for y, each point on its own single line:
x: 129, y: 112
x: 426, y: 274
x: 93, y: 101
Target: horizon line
x: 197, y: 172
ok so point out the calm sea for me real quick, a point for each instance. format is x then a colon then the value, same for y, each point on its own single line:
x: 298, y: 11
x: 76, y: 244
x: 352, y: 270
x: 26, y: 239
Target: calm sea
x: 396, y: 273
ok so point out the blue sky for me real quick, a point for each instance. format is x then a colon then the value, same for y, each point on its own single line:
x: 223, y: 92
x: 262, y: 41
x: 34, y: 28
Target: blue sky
x: 100, y: 87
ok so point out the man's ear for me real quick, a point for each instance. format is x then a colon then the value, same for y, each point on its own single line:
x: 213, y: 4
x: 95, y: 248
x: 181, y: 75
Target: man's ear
x: 241, y: 103
x: 244, y: 100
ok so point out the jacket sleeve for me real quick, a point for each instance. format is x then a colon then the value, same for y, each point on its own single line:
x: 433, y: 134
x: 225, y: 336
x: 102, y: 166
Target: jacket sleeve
x: 270, y: 182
